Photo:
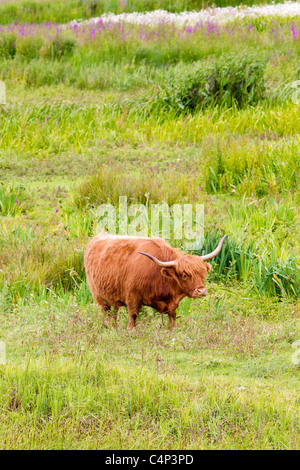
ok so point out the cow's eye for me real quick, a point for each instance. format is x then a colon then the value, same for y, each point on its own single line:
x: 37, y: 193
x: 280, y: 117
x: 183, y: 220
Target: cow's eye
x: 184, y: 276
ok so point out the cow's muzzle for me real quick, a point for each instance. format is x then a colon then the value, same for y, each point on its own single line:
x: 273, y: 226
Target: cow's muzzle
x: 200, y: 292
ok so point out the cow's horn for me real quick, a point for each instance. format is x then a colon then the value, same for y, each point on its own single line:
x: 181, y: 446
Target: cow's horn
x: 163, y: 264
x: 216, y: 251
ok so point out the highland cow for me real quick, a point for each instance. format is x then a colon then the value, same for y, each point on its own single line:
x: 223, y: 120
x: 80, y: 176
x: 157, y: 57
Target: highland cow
x: 136, y: 271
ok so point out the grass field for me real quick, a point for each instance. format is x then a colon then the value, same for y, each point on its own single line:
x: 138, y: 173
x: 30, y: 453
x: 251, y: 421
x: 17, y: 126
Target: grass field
x: 156, y: 113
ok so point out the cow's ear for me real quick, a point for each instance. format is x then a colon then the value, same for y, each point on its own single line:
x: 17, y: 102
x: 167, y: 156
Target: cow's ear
x: 208, y: 267
x: 169, y: 272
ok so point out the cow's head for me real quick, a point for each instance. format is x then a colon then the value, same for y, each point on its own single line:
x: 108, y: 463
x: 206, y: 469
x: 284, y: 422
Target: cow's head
x: 188, y: 271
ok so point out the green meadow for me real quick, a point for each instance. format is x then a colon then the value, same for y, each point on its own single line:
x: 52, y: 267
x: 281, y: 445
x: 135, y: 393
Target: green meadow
x: 156, y: 114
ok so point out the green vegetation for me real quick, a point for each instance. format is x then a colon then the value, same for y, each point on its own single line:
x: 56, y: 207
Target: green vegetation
x: 59, y: 11
x: 181, y: 117
x: 224, y: 380
x: 231, y: 80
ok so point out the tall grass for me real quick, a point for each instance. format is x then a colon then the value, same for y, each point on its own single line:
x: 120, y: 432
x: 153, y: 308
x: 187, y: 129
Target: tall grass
x: 259, y: 164
x: 107, y: 185
x: 40, y: 264
x: 267, y: 273
x: 12, y: 198
x: 71, y: 383
x: 103, y: 405
x: 260, y: 167
x: 160, y: 46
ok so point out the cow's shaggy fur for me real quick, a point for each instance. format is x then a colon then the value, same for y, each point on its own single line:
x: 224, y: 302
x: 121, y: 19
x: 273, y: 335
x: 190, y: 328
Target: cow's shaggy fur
x: 120, y: 276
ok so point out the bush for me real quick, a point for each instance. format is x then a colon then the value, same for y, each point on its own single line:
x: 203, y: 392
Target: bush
x: 233, y: 80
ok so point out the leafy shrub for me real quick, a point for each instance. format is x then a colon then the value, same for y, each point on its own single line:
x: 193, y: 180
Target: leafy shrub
x: 234, y: 80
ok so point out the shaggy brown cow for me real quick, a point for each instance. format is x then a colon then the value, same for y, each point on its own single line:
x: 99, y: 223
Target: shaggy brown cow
x: 136, y: 271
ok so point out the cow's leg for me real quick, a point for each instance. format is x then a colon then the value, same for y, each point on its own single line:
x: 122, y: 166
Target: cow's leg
x: 133, y: 311
x: 172, y: 319
x: 111, y: 315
